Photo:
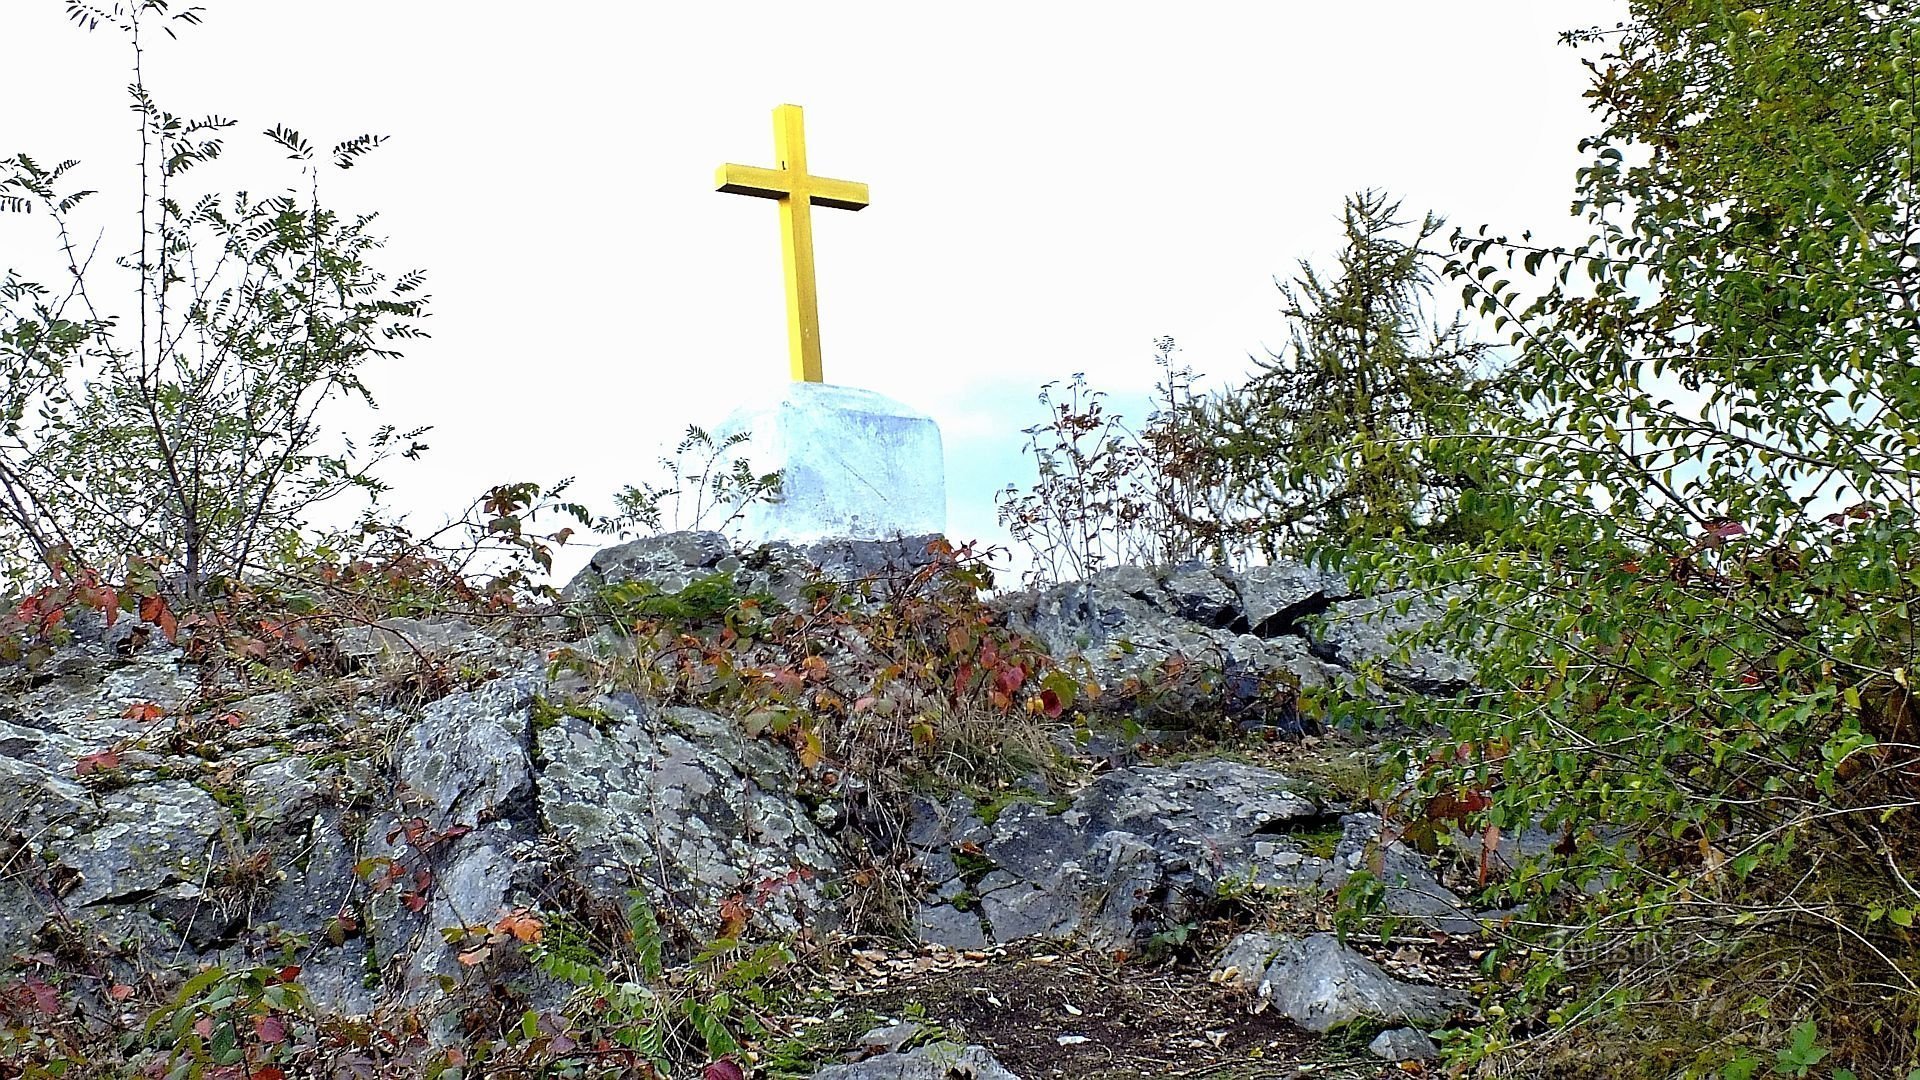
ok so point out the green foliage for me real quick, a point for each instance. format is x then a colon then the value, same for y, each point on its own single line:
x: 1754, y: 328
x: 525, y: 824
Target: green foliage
x: 1106, y: 495
x: 1693, y: 608
x: 705, y: 601
x: 1332, y: 438
x: 220, y: 1020
x: 708, y: 484
x: 1348, y: 433
x: 187, y: 432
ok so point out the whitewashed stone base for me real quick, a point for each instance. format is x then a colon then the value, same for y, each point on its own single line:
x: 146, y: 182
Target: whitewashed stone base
x: 858, y: 465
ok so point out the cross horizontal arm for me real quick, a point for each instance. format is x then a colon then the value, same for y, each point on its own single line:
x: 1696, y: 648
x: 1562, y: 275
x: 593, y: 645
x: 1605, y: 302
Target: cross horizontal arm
x: 779, y: 184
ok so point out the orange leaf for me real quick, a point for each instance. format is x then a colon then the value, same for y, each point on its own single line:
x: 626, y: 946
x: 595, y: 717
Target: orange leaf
x: 472, y: 956
x: 143, y: 711
x: 733, y: 916
x: 100, y: 762
x: 522, y: 926
x: 811, y: 751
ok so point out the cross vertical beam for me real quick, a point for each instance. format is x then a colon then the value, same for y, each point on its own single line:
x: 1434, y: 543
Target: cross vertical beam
x: 797, y: 191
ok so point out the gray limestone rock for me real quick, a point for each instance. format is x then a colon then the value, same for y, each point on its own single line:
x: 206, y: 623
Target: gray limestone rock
x: 466, y: 758
x: 1321, y: 984
x: 1139, y: 849
x: 1127, y: 621
x: 405, y: 641
x: 940, y: 924
x: 1275, y: 597
x: 1366, y: 631
x: 935, y: 1061
x: 1409, y: 887
x: 681, y: 802
x: 1199, y: 595
x: 147, y: 836
x: 670, y: 560
x: 887, y: 1038
x: 1403, y: 1044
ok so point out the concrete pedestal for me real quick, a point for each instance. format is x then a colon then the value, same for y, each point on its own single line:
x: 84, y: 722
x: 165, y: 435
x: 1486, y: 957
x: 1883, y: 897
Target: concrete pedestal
x: 858, y: 465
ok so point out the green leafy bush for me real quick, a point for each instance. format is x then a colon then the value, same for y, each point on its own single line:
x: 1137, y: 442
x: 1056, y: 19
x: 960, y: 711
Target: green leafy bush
x: 188, y: 431
x: 1692, y: 609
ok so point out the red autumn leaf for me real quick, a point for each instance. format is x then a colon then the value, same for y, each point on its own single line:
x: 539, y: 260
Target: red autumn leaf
x: 45, y: 998
x: 724, y: 1069
x: 1050, y: 705
x: 291, y: 971
x: 1725, y: 528
x: 269, y: 1072
x: 154, y: 610
x: 1010, y: 678
x: 270, y: 1029
x: 143, y: 711
x: 119, y: 991
x: 93, y: 763
x: 416, y: 902
x: 203, y: 1027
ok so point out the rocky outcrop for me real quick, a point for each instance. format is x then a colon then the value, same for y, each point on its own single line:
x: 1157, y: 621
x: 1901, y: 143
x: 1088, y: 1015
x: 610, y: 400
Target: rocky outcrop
x: 1287, y: 621
x: 672, y: 561
x: 1146, y: 848
x: 184, y: 834
x: 376, y: 821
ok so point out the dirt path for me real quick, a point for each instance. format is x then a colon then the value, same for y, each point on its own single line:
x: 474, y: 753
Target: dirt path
x: 1046, y: 1013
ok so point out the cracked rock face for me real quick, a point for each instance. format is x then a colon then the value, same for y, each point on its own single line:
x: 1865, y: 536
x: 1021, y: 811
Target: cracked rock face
x: 1140, y: 849
x: 1286, y: 619
x: 291, y: 817
x: 678, y: 802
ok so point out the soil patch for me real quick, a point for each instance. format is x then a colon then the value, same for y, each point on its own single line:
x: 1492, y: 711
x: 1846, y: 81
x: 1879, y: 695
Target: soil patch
x: 1046, y: 1013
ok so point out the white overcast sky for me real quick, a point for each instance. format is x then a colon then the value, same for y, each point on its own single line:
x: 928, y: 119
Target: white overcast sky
x: 1054, y: 185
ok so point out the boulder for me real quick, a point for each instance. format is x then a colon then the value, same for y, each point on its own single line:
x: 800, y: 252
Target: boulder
x: 935, y: 1061
x: 1320, y: 983
x: 1403, y: 1044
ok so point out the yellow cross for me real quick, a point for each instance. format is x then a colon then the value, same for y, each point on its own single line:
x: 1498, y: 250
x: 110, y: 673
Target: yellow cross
x: 797, y: 192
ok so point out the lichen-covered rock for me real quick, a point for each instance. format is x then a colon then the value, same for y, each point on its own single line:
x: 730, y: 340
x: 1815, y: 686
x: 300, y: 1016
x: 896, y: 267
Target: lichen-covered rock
x: 1139, y: 849
x: 680, y: 803
x: 1364, y: 631
x: 1126, y: 622
x: 1409, y: 888
x: 466, y: 759
x: 391, y: 642
x: 146, y: 836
